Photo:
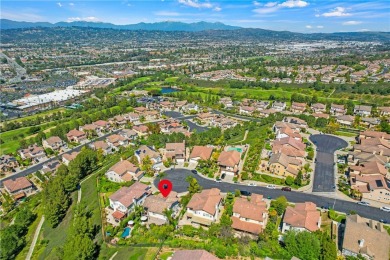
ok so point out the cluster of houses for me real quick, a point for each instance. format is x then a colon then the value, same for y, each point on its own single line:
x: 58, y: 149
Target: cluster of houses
x: 288, y: 151
x: 222, y: 75
x: 369, y: 163
x: 318, y: 110
x: 216, y: 120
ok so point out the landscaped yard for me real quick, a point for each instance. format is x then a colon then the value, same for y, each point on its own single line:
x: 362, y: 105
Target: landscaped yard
x: 136, y: 253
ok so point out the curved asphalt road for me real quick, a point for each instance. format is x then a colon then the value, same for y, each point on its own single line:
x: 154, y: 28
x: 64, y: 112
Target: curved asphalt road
x: 178, y: 179
x: 324, y: 172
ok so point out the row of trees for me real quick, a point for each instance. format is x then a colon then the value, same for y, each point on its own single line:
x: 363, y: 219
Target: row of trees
x: 12, y: 238
x: 56, y: 192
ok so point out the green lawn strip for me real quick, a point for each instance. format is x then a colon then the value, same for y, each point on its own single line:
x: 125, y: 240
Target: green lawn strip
x: 51, y: 238
x: 136, y: 253
x: 45, y: 113
x: 165, y: 255
x: 171, y: 79
x: 90, y: 199
x: 387, y: 228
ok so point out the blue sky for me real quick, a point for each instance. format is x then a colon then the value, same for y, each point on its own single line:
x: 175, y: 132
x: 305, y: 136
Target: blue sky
x: 293, y: 15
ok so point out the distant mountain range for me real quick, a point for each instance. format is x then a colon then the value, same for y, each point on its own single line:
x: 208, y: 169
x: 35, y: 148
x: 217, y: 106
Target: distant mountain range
x: 160, y: 26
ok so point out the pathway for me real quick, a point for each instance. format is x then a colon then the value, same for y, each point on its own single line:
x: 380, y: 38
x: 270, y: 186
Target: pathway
x: 245, y: 136
x: 37, y: 231
x: 113, y: 256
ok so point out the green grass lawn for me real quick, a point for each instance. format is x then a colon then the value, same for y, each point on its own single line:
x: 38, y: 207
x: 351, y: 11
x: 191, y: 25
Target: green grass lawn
x: 164, y: 256
x: 171, y: 79
x: 89, y: 198
x: 136, y: 253
x: 42, y: 114
x: 55, y: 237
x: 387, y: 228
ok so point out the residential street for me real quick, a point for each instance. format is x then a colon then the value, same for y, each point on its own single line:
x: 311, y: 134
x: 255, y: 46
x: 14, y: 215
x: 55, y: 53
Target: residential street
x: 324, y: 172
x: 38, y: 166
x: 178, y: 179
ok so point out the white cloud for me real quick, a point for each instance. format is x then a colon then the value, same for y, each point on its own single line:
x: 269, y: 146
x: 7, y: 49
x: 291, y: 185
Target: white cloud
x: 217, y: 9
x: 337, y: 12
x: 255, y: 3
x: 59, y: 4
x: 271, y: 7
x: 364, y: 30
x: 320, y: 26
x: 294, y: 3
x: 86, y: 19
x: 309, y: 26
x: 266, y: 10
x: 317, y: 15
x: 166, y: 13
x: 270, y: 4
x: 352, y: 22
x: 196, y: 3
x: 71, y: 4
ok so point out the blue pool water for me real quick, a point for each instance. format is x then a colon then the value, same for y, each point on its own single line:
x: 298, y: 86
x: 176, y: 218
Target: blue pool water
x: 235, y: 149
x: 126, y: 232
x: 168, y: 90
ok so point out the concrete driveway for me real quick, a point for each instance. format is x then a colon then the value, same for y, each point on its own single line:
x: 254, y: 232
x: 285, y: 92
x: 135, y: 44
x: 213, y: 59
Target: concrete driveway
x: 324, y: 171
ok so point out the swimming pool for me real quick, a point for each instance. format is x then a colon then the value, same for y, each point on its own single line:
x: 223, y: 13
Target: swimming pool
x: 126, y: 232
x: 238, y: 149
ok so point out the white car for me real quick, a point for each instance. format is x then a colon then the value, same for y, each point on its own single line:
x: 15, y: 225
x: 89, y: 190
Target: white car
x: 363, y: 203
x: 385, y: 209
x: 252, y: 184
x: 271, y: 186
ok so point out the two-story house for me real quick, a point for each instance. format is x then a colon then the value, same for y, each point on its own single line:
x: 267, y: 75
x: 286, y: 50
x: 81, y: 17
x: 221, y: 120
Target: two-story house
x: 124, y: 171
x: 362, y: 110
x: 55, y: 143
x: 124, y: 200
x: 200, y: 153
x: 228, y: 162
x: 298, y: 108
x: 8, y: 163
x: 33, y: 152
x: 76, y: 136
x: 318, y: 108
x: 156, y: 207
x: 148, y: 152
x: 302, y: 217
x: 176, y: 152
x: 204, y: 207
x: 249, y: 215
x: 19, y: 187
x: 279, y: 106
x: 337, y: 110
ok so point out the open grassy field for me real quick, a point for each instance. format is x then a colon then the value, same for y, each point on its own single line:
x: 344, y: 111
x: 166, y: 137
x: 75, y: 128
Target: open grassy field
x: 11, y: 139
x: 41, y: 114
x: 171, y: 79
x: 90, y: 199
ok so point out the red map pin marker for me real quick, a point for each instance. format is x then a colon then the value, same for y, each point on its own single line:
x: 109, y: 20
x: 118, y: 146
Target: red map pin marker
x: 165, y: 187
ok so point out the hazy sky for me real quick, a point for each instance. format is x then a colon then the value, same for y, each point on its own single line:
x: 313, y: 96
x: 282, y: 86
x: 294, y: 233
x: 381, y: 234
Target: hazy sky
x: 292, y: 15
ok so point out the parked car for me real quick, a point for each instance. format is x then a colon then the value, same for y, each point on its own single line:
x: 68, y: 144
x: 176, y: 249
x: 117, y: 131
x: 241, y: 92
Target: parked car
x: 271, y: 186
x: 383, y: 221
x: 286, y: 189
x: 245, y: 193
x: 385, y: 209
x: 218, y: 180
x: 194, y: 171
x: 252, y: 184
x: 363, y: 203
